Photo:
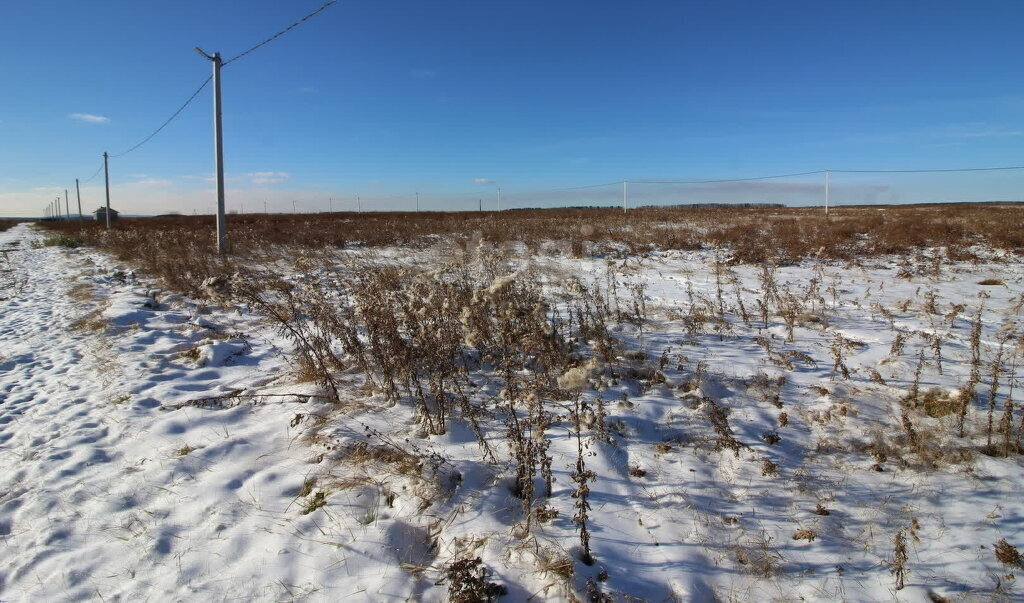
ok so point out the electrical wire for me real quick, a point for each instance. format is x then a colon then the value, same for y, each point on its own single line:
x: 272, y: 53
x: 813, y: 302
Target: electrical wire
x: 406, y: 196
x: 509, y: 194
x: 169, y: 119
x: 984, y: 169
x: 728, y: 179
x: 96, y: 173
x: 280, y: 33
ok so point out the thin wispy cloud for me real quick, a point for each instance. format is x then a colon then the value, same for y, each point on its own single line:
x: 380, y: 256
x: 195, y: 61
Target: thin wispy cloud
x: 483, y: 181
x: 267, y: 177
x: 155, y: 182
x: 89, y: 118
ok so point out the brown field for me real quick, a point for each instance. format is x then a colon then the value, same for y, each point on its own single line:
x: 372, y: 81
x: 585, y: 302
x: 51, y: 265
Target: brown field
x: 180, y: 249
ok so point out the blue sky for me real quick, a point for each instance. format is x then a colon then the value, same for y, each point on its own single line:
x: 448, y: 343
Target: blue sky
x: 456, y: 98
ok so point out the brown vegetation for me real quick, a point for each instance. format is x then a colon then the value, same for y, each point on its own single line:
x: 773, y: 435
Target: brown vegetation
x: 180, y: 249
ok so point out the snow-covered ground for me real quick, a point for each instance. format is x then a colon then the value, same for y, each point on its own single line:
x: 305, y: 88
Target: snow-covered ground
x: 138, y: 462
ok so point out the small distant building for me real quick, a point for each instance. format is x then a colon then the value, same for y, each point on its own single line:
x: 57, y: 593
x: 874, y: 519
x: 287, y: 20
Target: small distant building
x: 101, y: 214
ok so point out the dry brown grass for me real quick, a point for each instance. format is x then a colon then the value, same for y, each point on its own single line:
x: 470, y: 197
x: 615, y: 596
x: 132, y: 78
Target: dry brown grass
x: 180, y: 249
x: 1008, y: 554
x: 90, y: 322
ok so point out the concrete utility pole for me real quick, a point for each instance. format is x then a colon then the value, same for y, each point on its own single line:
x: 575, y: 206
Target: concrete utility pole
x: 106, y: 177
x: 625, y: 196
x: 826, y: 192
x: 67, y: 206
x: 359, y: 204
x: 78, y: 193
x: 218, y: 144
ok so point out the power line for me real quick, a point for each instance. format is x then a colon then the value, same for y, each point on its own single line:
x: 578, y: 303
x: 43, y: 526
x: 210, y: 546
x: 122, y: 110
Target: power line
x: 96, y: 173
x: 280, y: 33
x: 470, y: 193
x: 559, y: 190
x: 169, y: 119
x: 984, y: 169
x: 729, y: 179
x: 405, y: 196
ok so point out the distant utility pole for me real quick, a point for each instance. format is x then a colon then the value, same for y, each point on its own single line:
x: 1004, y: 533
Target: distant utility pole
x: 826, y: 192
x: 67, y: 206
x: 218, y: 144
x: 264, y: 207
x: 294, y: 211
x: 417, y: 201
x: 625, y: 196
x: 480, y: 205
x: 359, y: 204
x: 78, y: 193
x: 330, y: 200
x: 106, y: 177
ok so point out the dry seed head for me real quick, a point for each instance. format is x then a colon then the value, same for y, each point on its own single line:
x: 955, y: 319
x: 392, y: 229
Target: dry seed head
x: 574, y: 378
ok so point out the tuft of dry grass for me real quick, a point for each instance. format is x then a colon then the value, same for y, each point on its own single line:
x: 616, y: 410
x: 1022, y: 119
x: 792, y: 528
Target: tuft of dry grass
x: 1007, y: 554
x: 805, y: 534
x: 91, y: 322
x: 318, y: 500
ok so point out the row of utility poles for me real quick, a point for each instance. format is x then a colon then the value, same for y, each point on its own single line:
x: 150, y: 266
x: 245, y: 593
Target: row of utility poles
x: 52, y: 211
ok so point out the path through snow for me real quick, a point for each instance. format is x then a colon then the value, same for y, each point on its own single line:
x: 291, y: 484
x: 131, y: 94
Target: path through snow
x: 104, y: 493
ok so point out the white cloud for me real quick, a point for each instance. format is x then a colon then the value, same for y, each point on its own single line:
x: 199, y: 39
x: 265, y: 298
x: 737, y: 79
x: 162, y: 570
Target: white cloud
x: 483, y: 181
x: 155, y: 182
x: 90, y: 118
x: 267, y: 177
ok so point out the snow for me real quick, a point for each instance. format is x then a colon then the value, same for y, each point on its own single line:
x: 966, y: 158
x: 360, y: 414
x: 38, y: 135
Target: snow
x: 155, y: 447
